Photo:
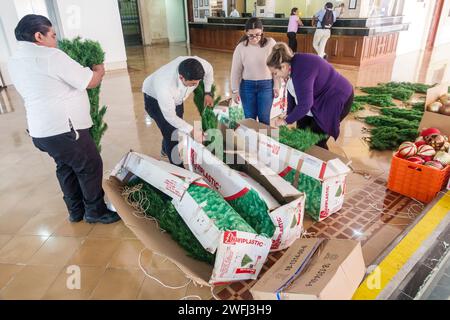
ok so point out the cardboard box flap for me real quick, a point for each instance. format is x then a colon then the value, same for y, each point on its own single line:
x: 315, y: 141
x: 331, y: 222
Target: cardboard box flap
x: 149, y: 233
x: 281, y: 190
x: 283, y: 270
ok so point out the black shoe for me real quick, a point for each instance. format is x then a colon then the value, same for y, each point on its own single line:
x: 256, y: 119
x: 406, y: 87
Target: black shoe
x: 76, y: 217
x: 163, y: 154
x: 107, y: 218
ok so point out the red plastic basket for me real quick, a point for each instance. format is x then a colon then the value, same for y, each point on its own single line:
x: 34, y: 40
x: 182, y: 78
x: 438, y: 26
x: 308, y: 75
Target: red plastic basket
x: 415, y: 180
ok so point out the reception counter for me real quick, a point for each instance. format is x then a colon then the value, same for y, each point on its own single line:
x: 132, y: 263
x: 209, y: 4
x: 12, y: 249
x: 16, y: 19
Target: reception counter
x: 353, y: 41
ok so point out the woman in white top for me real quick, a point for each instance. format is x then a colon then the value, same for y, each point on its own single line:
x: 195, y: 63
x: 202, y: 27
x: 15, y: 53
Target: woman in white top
x: 251, y: 80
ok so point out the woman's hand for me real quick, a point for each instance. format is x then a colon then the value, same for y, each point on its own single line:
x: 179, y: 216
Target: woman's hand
x: 236, y: 97
x: 280, y: 121
x: 276, y: 93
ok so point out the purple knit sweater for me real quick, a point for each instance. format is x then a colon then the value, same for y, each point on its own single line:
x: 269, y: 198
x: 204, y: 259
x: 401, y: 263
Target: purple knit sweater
x: 320, y: 89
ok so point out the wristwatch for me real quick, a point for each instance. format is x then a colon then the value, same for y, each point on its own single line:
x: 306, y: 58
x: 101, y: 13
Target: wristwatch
x: 208, y: 94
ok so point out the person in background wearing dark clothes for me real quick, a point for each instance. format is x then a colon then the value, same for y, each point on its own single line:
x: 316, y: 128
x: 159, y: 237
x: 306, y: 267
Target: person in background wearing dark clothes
x: 53, y: 87
x: 294, y: 23
x: 319, y: 97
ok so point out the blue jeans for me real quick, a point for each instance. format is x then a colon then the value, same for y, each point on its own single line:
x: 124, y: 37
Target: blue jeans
x: 257, y: 99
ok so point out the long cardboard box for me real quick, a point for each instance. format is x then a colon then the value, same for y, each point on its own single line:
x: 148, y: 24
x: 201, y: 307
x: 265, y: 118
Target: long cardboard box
x: 328, y: 170
x: 287, y: 217
x: 314, y: 269
x: 435, y: 120
x: 239, y: 255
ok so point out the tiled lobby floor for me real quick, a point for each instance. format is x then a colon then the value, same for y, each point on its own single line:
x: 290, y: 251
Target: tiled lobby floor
x: 37, y: 243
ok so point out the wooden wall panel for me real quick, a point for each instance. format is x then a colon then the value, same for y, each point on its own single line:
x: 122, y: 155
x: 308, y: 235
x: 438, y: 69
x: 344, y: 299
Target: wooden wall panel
x: 349, y: 50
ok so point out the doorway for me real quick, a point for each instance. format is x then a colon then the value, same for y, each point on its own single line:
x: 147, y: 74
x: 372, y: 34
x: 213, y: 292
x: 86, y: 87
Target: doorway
x: 131, y: 22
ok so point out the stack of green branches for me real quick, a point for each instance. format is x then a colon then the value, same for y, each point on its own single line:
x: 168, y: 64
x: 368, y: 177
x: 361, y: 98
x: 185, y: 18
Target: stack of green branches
x: 379, y: 100
x: 299, y: 139
x: 89, y: 53
x: 393, y: 127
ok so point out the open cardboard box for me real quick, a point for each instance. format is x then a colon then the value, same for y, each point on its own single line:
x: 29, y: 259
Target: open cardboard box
x: 432, y: 119
x: 232, y: 248
x: 329, y: 169
x: 436, y: 120
x: 314, y: 269
x: 287, y: 215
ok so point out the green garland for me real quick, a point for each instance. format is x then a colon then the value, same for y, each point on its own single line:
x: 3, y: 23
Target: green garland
x: 380, y: 100
x: 89, y: 53
x: 299, y: 139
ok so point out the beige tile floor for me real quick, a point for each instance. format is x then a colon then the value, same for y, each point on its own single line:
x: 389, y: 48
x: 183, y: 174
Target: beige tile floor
x: 38, y: 244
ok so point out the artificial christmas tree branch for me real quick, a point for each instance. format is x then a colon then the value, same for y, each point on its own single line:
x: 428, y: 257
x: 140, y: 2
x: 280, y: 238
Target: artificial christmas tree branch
x: 89, y: 53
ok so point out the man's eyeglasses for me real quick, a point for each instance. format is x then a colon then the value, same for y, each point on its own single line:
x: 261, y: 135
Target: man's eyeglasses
x: 252, y: 36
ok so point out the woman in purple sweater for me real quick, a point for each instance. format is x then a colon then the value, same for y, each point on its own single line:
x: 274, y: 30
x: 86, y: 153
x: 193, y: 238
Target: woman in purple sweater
x: 319, y: 97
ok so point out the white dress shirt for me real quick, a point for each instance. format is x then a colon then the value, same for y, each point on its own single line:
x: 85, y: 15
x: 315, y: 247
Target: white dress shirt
x: 53, y: 87
x: 165, y: 86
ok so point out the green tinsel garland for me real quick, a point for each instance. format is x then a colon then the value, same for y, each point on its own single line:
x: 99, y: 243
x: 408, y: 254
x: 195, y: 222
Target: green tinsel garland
x: 389, y: 138
x: 386, y: 121
x: 299, y: 139
x: 380, y: 100
x: 89, y: 53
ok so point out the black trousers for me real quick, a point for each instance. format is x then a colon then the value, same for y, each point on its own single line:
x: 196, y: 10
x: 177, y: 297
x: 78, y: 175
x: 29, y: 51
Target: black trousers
x: 170, y: 141
x: 309, y: 122
x: 79, y: 169
x: 292, y: 36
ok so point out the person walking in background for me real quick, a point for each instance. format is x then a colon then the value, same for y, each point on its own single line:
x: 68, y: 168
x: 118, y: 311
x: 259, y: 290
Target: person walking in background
x: 294, y: 23
x: 340, y: 10
x: 234, y: 13
x: 251, y: 80
x: 319, y: 97
x: 53, y: 87
x: 325, y: 20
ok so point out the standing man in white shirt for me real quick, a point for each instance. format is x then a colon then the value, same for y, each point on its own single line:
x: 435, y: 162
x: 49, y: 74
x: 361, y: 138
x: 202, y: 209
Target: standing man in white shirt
x: 165, y: 92
x: 53, y: 87
x: 234, y: 13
